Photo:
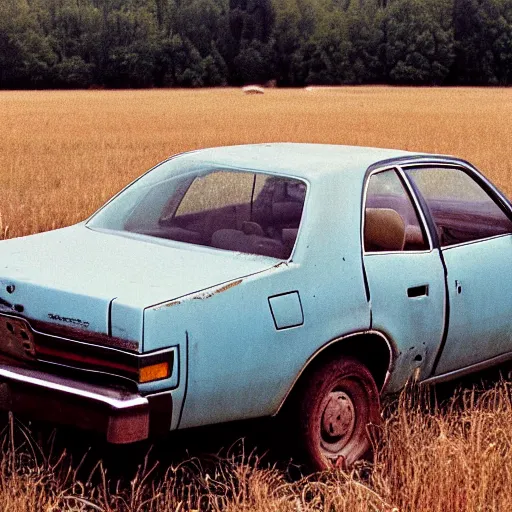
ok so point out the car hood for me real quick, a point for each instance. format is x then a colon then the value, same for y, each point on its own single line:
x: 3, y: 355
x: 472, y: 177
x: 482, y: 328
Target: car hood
x: 102, y: 281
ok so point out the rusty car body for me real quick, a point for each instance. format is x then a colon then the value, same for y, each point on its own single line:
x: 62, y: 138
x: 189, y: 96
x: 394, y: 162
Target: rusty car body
x: 234, y: 282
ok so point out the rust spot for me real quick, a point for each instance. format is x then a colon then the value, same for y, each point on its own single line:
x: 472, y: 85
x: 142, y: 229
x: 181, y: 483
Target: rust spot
x: 207, y: 295
x: 201, y: 295
x: 167, y: 305
x: 171, y: 304
x: 4, y: 304
x: 19, y: 308
x: 277, y: 266
x: 227, y: 286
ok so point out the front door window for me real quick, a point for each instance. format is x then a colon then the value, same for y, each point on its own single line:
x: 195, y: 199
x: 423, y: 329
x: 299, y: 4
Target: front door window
x: 461, y: 209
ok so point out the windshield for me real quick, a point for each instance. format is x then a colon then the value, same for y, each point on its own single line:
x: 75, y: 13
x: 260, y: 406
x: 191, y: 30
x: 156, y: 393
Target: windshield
x: 227, y: 209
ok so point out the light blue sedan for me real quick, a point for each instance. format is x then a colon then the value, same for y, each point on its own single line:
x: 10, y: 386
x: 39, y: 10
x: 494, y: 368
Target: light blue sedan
x: 238, y: 282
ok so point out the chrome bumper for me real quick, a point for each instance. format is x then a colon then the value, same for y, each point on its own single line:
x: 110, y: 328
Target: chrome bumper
x: 124, y: 417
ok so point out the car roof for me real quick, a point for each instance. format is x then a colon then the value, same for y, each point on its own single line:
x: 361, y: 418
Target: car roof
x: 298, y: 159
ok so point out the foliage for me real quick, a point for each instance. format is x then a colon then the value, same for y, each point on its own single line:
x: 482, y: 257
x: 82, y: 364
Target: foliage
x: 178, y: 43
x: 419, y: 41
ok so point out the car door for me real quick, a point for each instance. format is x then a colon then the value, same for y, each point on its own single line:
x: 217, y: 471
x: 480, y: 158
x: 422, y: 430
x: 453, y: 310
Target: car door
x: 405, y: 275
x: 474, y: 229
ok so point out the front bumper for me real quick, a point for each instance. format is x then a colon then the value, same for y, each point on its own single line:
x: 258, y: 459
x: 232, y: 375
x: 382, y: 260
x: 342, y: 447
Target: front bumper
x: 124, y: 416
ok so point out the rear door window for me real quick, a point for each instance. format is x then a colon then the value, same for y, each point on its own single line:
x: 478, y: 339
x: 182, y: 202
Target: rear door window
x: 391, y: 221
x: 237, y: 211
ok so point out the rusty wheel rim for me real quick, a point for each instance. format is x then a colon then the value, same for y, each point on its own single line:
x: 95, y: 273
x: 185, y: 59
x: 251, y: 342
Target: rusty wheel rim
x: 337, y: 424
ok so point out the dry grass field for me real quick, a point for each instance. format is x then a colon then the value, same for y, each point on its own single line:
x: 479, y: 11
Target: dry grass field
x: 62, y: 154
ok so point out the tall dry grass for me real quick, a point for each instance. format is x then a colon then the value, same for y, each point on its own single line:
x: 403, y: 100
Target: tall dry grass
x: 62, y: 154
x: 449, y: 459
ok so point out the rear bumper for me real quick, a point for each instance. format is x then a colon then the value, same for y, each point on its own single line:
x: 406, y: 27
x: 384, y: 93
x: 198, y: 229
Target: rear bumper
x: 124, y: 417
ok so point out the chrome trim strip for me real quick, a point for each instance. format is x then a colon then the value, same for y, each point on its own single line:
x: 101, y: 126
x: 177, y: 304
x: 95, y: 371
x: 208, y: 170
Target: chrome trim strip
x: 470, y: 242
x: 139, y: 356
x: 332, y: 342
x: 418, y: 208
x: 116, y: 403
x: 488, y: 363
x: 378, y: 253
x: 89, y: 371
x: 386, y: 380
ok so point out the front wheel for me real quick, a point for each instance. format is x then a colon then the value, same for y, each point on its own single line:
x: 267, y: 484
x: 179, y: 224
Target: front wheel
x: 339, y: 401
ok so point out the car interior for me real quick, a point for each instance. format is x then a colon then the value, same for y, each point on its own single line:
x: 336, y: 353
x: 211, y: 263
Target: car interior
x: 265, y: 225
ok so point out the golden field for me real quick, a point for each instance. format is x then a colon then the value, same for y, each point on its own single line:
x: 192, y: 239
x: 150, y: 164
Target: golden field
x: 62, y: 154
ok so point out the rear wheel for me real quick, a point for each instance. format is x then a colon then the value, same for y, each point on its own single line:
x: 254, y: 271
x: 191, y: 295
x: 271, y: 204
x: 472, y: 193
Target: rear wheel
x: 338, y: 403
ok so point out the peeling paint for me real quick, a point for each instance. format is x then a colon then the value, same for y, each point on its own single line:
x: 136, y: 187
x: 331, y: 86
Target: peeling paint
x: 19, y: 308
x: 171, y: 304
x: 277, y: 267
x: 200, y: 296
x: 207, y: 295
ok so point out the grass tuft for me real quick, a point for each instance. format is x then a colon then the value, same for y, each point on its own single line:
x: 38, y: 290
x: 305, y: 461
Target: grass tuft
x: 429, y: 458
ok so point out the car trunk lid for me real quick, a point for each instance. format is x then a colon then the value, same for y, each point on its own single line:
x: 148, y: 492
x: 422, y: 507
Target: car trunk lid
x: 101, y: 282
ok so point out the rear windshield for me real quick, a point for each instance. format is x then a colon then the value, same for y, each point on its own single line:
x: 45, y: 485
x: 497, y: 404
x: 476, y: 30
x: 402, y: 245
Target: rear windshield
x: 232, y: 210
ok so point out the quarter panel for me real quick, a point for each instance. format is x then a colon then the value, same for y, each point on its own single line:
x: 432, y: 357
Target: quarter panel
x: 239, y: 364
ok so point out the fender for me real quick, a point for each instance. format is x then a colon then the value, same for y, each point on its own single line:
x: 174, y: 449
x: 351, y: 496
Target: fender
x: 390, y: 346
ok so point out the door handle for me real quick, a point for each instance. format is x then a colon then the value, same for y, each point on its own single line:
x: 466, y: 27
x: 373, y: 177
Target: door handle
x: 417, y: 291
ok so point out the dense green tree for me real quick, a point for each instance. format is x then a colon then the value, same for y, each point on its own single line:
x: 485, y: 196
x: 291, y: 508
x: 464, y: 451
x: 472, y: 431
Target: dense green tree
x: 419, y: 41
x: 294, y: 26
x: 25, y: 53
x: 215, y: 71
x: 366, y: 55
x: 326, y: 53
x: 180, y: 64
x: 502, y: 44
x: 192, y: 43
x: 202, y: 22
x: 247, y: 46
x: 483, y: 48
x: 73, y: 72
x: 253, y: 63
x: 251, y: 19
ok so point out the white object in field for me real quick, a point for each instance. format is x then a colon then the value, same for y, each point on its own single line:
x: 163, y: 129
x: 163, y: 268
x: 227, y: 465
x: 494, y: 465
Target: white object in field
x: 253, y: 89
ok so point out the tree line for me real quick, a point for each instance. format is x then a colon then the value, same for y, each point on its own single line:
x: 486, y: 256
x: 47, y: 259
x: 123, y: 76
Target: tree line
x: 193, y: 43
